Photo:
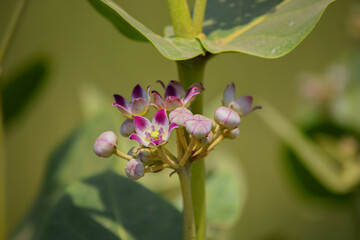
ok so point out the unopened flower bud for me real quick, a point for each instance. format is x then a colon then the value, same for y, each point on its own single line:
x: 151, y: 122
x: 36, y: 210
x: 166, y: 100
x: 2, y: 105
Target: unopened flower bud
x: 234, y: 133
x: 134, y: 169
x: 105, y: 144
x: 180, y: 115
x: 198, y: 126
x: 127, y: 128
x: 207, y: 139
x: 144, y: 155
x: 227, y: 117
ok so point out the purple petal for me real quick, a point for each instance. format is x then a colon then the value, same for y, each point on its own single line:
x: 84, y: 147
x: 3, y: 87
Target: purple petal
x: 180, y: 92
x: 136, y: 137
x: 172, y: 103
x: 190, y: 96
x: 158, y: 102
x: 162, y: 83
x: 123, y: 110
x: 157, y: 142
x: 139, y: 107
x: 138, y: 92
x: 171, y: 127
x: 147, y: 97
x: 229, y: 94
x: 170, y: 91
x: 196, y: 86
x: 142, y: 125
x: 160, y: 119
x: 119, y: 100
x: 242, y: 105
x: 180, y: 115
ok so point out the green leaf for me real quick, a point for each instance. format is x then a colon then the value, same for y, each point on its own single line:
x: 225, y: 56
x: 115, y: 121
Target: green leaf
x: 171, y: 48
x: 264, y: 28
x: 72, y: 160
x: 225, y: 191
x: 22, y: 87
x: 109, y: 206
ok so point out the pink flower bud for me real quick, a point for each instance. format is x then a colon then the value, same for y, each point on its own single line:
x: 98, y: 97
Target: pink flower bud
x: 198, y: 126
x: 180, y: 115
x: 227, y: 117
x: 134, y: 169
x: 233, y: 133
x: 127, y: 128
x: 105, y: 144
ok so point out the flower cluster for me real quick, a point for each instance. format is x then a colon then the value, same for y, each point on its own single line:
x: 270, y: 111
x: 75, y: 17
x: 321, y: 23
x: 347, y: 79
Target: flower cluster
x: 196, y: 135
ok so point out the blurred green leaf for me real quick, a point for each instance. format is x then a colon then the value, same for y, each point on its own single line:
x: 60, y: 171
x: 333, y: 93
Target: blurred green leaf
x: 22, y: 87
x: 109, y: 206
x: 304, y: 178
x: 264, y: 28
x: 72, y: 160
x: 225, y: 191
x: 338, y: 175
x: 171, y: 48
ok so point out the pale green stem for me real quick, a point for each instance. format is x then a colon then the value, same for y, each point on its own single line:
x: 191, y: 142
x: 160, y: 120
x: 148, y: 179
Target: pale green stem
x: 198, y: 17
x: 181, y: 19
x: 166, y: 159
x: 122, y: 155
x: 187, y: 153
x: 189, y: 232
x: 191, y: 71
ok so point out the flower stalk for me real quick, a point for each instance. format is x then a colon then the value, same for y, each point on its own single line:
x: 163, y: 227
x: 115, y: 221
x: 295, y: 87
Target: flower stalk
x: 189, y: 231
x: 189, y: 72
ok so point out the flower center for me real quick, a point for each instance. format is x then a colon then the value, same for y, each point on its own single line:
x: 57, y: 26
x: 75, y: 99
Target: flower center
x: 155, y: 135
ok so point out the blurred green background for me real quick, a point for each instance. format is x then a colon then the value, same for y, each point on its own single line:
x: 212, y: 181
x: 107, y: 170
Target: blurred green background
x: 82, y: 50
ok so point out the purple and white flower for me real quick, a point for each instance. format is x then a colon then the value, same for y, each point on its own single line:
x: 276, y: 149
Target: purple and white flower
x: 241, y: 105
x: 139, y: 105
x: 175, y: 96
x: 153, y: 134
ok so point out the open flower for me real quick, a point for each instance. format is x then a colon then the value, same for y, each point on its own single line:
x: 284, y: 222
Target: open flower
x: 241, y: 105
x: 155, y: 133
x: 139, y: 105
x: 175, y: 96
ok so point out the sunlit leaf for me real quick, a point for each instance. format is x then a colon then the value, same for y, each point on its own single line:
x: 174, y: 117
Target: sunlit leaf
x: 109, y: 206
x: 265, y: 28
x: 22, y: 87
x: 171, y: 48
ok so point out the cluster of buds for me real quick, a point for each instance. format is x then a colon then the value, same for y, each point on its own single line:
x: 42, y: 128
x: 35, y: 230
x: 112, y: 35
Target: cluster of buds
x: 196, y: 135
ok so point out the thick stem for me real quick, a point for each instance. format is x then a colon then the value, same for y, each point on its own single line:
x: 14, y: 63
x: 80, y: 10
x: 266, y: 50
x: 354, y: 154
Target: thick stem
x: 198, y: 17
x: 191, y: 71
x: 189, y: 231
x: 181, y: 19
